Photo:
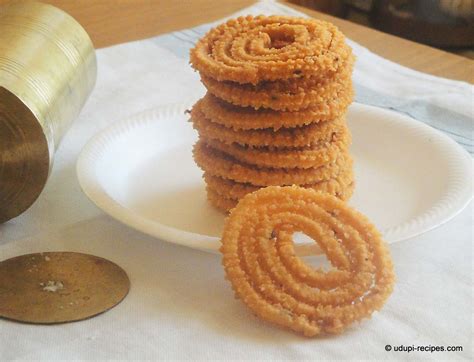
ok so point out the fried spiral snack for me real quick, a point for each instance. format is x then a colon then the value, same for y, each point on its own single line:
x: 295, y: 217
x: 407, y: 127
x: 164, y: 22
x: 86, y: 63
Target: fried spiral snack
x: 225, y: 204
x: 260, y: 261
x: 303, y: 157
x: 255, y: 49
x: 310, y: 135
x: 218, y: 164
x: 341, y: 186
x: 220, y: 202
x: 282, y: 96
x: 246, y: 118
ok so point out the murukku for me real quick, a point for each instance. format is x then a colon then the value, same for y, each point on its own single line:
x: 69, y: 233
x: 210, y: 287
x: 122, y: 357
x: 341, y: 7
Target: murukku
x: 260, y: 261
x: 225, y: 204
x: 310, y: 135
x: 254, y: 49
x: 290, y: 98
x: 341, y: 186
x: 303, y: 157
x: 218, y: 164
x: 220, y: 202
x: 247, y: 118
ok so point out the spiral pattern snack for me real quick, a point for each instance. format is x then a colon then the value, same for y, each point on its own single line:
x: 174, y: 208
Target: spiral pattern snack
x: 255, y: 49
x: 278, y: 89
x: 340, y: 186
x: 312, y: 134
x: 225, y: 202
x: 220, y: 202
x: 260, y: 261
x: 219, y: 164
x: 246, y: 118
x: 303, y: 157
x: 280, y: 98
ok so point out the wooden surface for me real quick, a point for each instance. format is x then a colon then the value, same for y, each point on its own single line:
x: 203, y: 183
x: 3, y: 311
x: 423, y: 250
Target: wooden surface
x: 116, y: 21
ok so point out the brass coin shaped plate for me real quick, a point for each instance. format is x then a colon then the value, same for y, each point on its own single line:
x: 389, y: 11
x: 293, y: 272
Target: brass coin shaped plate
x: 59, y: 287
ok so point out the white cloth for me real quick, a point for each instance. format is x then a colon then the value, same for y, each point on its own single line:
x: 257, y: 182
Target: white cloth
x: 180, y: 306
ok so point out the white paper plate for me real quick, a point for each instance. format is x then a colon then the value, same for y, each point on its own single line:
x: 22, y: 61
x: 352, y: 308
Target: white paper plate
x: 410, y: 178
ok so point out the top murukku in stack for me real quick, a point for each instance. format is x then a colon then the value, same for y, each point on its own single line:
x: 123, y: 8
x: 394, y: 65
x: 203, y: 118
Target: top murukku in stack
x: 278, y: 90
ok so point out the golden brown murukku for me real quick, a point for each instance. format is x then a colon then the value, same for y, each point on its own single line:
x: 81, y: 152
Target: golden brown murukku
x: 254, y: 49
x: 279, y: 98
x: 247, y: 118
x: 225, y: 204
x: 260, y: 261
x: 220, y: 202
x: 218, y: 164
x: 303, y: 157
x: 341, y: 186
x: 312, y: 134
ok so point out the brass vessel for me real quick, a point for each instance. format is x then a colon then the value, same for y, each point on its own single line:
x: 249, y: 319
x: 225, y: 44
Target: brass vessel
x: 48, y: 69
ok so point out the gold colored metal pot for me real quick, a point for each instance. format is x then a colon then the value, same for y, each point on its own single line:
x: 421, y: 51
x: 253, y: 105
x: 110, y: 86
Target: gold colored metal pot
x: 48, y: 69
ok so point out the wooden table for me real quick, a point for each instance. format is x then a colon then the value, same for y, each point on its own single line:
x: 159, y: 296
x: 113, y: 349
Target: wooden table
x: 116, y: 21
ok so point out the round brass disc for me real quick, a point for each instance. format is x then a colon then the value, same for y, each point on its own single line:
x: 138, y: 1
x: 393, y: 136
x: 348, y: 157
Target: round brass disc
x: 24, y: 156
x: 59, y: 287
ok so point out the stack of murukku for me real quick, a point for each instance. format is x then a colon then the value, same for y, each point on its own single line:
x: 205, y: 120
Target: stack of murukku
x: 274, y: 114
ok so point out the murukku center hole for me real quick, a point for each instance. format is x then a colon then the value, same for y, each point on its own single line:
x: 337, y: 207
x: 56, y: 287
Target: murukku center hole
x: 314, y: 261
x: 318, y: 262
x: 280, y: 40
